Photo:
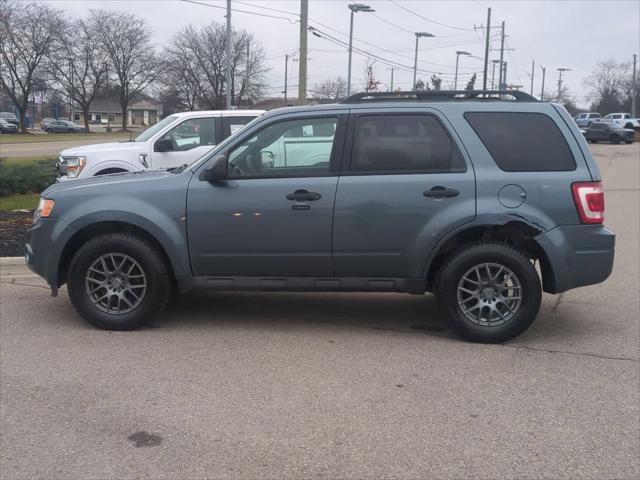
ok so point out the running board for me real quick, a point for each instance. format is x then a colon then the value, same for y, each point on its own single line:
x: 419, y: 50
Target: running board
x: 304, y: 284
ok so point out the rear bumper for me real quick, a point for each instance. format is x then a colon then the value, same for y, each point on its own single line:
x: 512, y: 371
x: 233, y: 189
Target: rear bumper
x: 577, y: 255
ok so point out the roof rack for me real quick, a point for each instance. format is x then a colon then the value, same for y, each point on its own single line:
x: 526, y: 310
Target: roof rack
x: 441, y: 95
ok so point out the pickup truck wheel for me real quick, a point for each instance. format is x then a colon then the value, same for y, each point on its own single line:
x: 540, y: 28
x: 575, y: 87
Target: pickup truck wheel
x: 490, y: 292
x: 628, y: 125
x: 118, y: 281
x: 615, y: 139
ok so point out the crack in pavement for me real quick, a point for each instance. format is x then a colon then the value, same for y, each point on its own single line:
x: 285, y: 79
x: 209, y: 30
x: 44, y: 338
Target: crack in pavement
x: 579, y: 354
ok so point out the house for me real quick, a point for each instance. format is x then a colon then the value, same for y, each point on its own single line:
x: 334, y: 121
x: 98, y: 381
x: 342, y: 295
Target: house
x: 142, y: 111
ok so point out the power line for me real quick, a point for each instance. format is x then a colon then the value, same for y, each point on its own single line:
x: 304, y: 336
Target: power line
x: 428, y: 19
x: 239, y: 11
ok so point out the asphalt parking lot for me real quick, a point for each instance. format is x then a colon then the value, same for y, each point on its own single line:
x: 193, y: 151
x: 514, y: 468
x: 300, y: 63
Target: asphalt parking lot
x: 237, y: 385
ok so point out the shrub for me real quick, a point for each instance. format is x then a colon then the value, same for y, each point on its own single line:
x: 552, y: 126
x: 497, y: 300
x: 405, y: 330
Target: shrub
x: 28, y: 177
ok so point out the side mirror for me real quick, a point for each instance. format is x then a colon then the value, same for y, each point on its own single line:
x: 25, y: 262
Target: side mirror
x: 218, y: 170
x: 163, y: 145
x: 267, y: 159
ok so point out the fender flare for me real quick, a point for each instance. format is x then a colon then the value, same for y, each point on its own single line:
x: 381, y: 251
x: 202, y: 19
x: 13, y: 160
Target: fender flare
x: 91, y: 170
x: 480, y: 221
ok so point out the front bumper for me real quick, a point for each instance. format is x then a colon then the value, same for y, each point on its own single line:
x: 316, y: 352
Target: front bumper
x: 45, y: 243
x: 578, y: 255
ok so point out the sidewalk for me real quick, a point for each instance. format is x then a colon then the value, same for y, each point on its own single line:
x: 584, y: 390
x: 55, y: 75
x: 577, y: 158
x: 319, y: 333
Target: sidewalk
x: 13, y: 268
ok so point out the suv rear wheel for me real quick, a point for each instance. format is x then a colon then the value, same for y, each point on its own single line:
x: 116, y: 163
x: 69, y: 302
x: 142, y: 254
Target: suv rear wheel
x: 118, y: 282
x: 490, y: 292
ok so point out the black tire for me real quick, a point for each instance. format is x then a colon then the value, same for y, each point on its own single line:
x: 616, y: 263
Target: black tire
x: 615, y: 139
x: 496, y: 254
x: 628, y: 125
x: 48, y: 130
x: 157, y: 276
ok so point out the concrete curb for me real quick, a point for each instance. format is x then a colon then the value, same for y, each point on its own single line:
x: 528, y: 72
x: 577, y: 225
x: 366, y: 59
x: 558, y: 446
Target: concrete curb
x: 12, y: 261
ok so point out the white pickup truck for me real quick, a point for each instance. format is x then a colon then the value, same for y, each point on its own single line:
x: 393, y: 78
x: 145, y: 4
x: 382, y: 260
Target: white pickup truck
x: 177, y: 139
x: 623, y: 120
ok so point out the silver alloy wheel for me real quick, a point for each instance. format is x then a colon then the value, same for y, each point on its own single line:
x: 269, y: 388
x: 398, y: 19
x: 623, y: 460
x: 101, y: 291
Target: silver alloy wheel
x: 489, y: 294
x: 115, y: 283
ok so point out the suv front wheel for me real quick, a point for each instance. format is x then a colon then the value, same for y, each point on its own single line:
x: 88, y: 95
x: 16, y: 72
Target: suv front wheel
x: 118, y: 281
x: 490, y: 292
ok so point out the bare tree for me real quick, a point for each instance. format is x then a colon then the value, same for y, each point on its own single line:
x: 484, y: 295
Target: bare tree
x: 436, y: 81
x: 608, y: 86
x: 126, y: 40
x: 370, y: 82
x: 79, y: 66
x: 420, y: 86
x: 196, y: 66
x: 471, y: 83
x: 331, y: 89
x: 27, y: 35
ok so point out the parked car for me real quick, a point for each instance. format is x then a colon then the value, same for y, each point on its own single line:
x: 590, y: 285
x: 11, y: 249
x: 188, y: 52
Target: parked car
x: 178, y: 139
x: 610, y: 132
x: 10, y: 117
x: 586, y: 119
x: 63, y: 126
x: 623, y: 120
x: 45, y: 122
x: 6, y: 127
x: 411, y: 192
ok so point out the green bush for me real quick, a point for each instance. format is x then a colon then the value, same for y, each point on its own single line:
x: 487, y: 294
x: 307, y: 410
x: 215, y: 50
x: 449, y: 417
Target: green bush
x: 27, y: 177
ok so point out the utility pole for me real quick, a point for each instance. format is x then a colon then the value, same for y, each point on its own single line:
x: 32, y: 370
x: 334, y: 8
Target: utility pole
x: 486, y: 50
x: 286, y: 75
x: 634, y: 88
x: 560, y: 71
x: 544, y: 74
x: 228, y: 89
x: 500, y: 81
x: 533, y: 71
x: 504, y: 73
x: 302, y: 72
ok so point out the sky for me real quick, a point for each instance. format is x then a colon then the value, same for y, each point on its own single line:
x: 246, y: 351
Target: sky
x: 567, y: 34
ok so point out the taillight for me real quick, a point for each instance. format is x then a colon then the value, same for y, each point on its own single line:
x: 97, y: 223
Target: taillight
x: 589, y: 198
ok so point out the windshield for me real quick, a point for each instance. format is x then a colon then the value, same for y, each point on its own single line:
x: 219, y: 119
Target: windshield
x: 151, y: 131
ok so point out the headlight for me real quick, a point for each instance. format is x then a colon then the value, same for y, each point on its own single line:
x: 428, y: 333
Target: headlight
x: 45, y: 206
x: 75, y: 166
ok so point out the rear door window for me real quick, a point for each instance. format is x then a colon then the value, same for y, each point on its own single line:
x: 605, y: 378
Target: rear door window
x: 388, y: 144
x: 522, y: 142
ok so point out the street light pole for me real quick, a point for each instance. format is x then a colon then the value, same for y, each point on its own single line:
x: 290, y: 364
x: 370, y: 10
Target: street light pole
x: 544, y: 74
x: 354, y: 7
x: 560, y: 71
x: 458, y: 53
x: 493, y: 74
x: 286, y: 75
x: 634, y: 88
x: 228, y: 75
x: 415, y: 60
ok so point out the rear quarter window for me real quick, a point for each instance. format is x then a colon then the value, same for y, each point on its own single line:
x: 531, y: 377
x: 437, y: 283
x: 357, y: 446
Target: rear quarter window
x: 522, y: 142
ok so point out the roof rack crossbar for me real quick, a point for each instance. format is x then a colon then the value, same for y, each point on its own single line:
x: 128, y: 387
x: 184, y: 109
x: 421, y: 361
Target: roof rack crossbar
x: 517, y: 95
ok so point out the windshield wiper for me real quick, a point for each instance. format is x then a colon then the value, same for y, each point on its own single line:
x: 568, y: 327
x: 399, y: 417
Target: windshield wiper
x: 179, y: 169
